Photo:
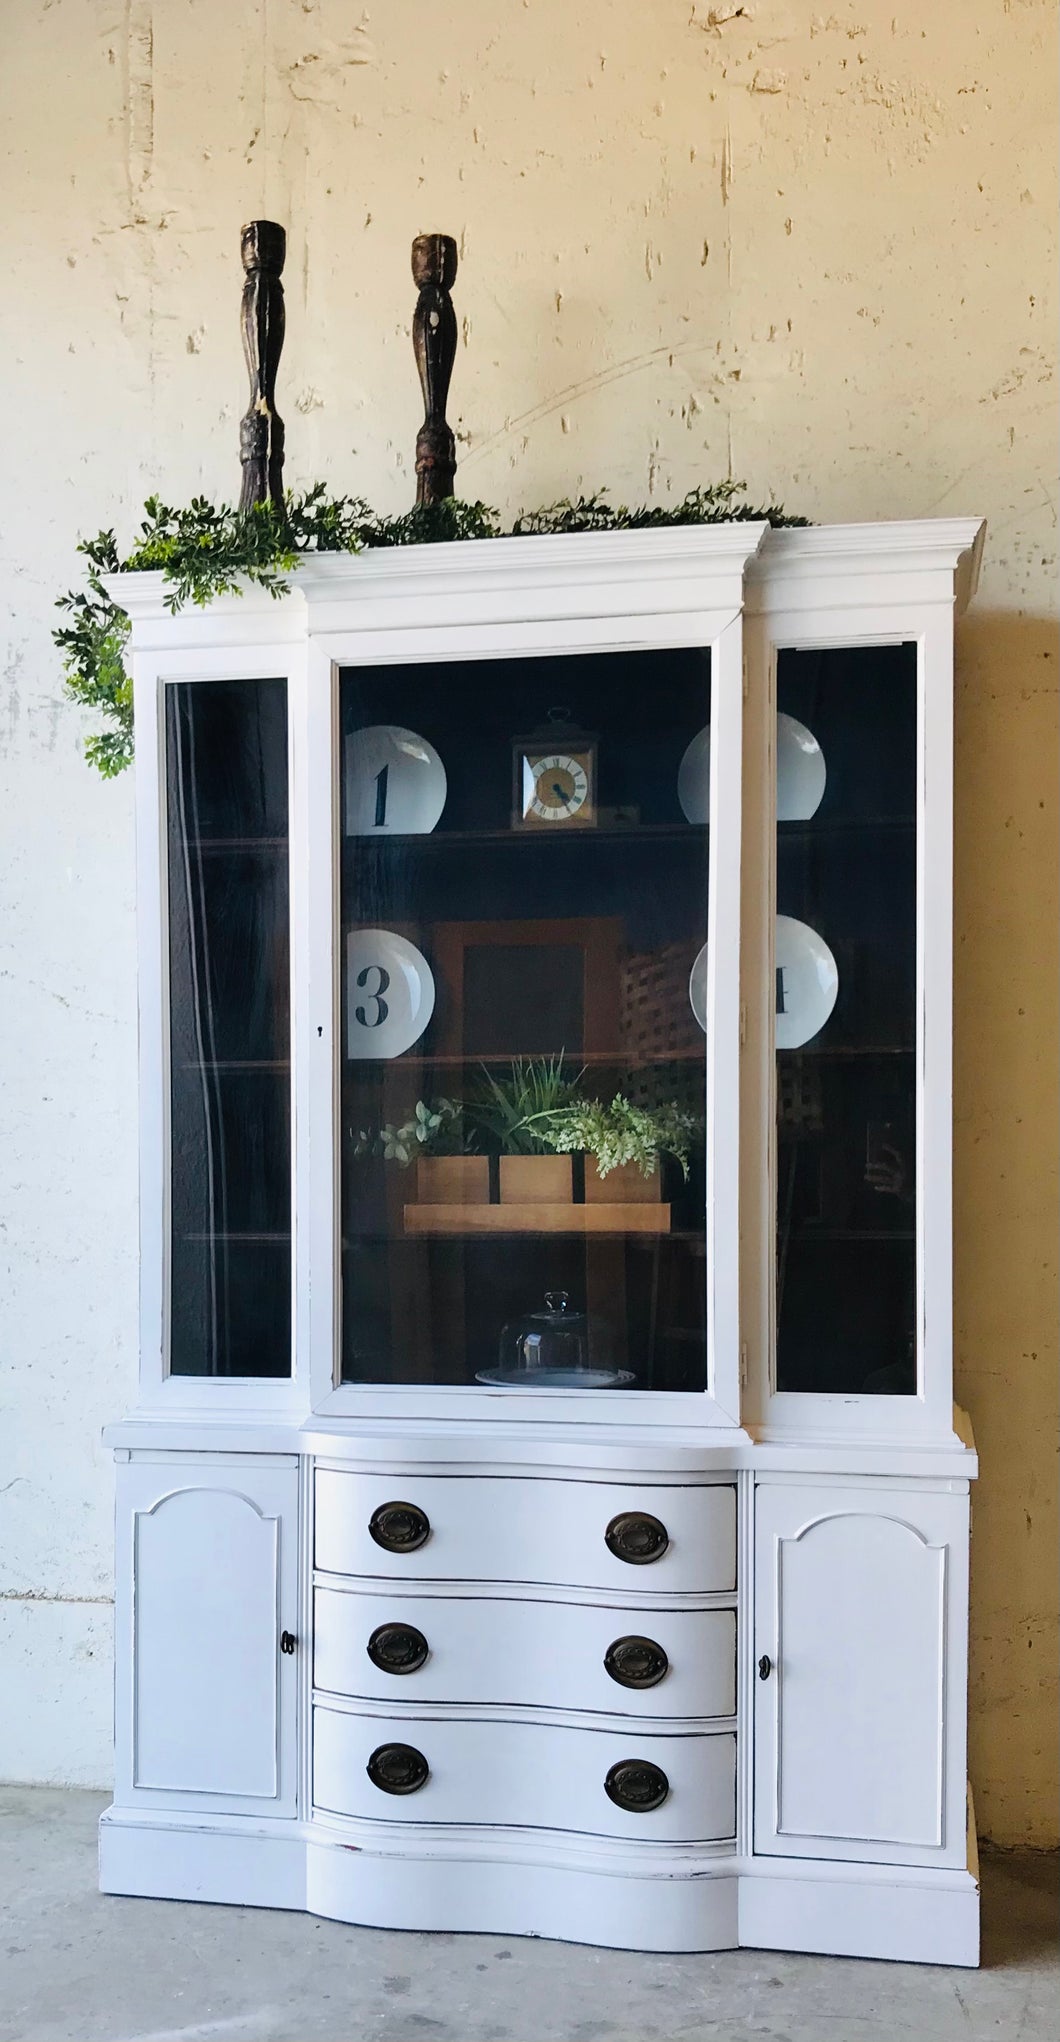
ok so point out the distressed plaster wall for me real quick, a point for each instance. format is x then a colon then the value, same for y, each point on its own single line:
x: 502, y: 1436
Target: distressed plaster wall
x: 810, y: 246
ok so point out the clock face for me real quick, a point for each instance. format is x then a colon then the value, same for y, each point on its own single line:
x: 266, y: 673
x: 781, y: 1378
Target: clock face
x: 555, y: 787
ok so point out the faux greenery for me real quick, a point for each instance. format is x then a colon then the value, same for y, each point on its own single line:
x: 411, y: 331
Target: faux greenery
x: 205, y: 551
x: 536, y: 1109
x: 508, y: 1114
x: 622, y: 1133
x: 434, y: 1130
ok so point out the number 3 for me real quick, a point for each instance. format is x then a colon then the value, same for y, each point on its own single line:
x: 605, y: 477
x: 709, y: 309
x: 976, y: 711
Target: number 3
x: 375, y: 996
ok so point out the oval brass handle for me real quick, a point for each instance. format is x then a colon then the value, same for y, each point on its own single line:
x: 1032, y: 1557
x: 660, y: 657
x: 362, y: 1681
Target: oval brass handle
x: 398, y: 1768
x: 399, y: 1527
x: 765, y: 1666
x: 636, y: 1785
x: 636, y: 1662
x: 636, y: 1537
x: 397, y: 1648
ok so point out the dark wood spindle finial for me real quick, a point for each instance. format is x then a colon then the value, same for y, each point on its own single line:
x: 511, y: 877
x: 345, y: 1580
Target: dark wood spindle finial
x: 434, y: 339
x: 263, y: 245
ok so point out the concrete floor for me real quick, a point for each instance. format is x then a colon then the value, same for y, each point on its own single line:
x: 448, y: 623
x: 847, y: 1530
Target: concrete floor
x: 75, y: 1967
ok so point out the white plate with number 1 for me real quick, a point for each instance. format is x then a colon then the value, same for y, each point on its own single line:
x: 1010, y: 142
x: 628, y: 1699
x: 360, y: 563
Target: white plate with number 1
x: 395, y: 782
x: 389, y: 994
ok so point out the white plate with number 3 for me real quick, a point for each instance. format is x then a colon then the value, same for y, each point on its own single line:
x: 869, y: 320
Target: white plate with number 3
x: 395, y: 782
x: 389, y: 994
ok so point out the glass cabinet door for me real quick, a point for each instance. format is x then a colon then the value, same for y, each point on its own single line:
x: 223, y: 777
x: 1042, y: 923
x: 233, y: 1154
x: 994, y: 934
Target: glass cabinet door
x: 845, y: 1021
x: 523, y: 921
x: 229, y: 1009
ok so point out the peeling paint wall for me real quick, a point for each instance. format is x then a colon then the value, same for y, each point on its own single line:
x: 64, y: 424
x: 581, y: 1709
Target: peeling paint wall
x: 810, y: 246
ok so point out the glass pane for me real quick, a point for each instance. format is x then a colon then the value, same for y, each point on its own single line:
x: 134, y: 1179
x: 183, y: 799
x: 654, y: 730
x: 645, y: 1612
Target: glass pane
x: 523, y: 898
x: 846, y: 1021
x: 229, y: 989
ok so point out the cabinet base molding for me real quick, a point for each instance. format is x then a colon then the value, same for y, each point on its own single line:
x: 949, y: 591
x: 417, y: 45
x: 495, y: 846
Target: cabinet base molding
x: 242, y: 1864
x: 933, y: 1923
x: 566, y: 1893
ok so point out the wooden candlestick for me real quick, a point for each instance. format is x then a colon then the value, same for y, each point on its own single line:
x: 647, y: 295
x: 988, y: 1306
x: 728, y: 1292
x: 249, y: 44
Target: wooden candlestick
x: 263, y: 245
x: 434, y: 341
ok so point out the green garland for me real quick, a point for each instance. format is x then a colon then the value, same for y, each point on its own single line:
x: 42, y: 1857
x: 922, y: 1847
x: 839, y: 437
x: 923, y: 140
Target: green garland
x: 204, y: 552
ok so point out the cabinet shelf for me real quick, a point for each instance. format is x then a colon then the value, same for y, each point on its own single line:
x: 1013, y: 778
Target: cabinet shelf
x: 215, y: 844
x: 842, y: 827
x: 427, y: 841
x: 603, y: 1058
x: 812, y: 1233
x: 471, y: 1220
x: 258, y: 1240
x: 223, y: 1065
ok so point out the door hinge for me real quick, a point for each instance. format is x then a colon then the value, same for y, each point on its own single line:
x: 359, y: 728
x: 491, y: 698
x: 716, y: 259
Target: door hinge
x: 743, y: 1021
x: 743, y: 1366
x: 746, y: 678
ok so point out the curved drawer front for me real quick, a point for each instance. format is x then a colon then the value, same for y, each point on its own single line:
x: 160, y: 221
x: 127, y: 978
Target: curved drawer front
x: 528, y: 1776
x: 484, y: 1649
x: 521, y: 1529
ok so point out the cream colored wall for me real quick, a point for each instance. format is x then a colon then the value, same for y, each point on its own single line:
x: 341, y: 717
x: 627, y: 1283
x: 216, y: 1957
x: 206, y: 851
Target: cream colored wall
x: 809, y: 246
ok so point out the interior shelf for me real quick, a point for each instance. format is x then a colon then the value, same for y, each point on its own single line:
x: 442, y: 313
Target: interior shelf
x: 247, y: 1063
x: 238, y: 843
x: 585, y: 833
x: 819, y: 830
x: 468, y: 1220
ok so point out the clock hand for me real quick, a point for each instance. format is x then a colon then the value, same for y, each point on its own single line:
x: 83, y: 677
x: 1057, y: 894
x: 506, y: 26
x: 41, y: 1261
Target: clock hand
x: 558, y: 791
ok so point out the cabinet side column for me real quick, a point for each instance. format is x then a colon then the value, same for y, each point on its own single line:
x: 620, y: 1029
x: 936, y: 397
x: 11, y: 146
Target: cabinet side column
x: 723, y: 1009
x: 322, y: 1061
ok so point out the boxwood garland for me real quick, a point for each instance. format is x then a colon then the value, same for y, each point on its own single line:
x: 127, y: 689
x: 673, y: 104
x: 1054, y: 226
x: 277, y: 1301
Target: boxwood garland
x: 205, y: 551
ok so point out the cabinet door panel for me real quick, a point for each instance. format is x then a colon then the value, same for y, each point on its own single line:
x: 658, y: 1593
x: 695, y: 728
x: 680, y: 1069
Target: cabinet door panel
x: 860, y: 1607
x: 207, y: 1580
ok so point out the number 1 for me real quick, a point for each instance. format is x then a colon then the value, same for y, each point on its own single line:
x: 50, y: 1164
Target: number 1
x: 381, y: 779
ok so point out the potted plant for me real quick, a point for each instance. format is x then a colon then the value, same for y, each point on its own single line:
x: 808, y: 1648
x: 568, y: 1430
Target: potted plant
x: 508, y: 1115
x: 623, y: 1145
x: 435, y: 1140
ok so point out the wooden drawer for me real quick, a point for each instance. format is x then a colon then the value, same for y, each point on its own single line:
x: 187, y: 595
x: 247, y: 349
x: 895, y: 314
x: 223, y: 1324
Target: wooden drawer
x: 527, y: 1776
x: 518, y: 1528
x: 489, y: 1649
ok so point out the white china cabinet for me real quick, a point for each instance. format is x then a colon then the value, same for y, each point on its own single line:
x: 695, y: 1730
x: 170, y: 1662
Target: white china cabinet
x: 544, y: 1510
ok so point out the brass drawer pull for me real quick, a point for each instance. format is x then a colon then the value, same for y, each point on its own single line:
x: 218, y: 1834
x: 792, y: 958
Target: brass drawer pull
x: 636, y: 1537
x: 636, y: 1662
x: 636, y: 1785
x: 398, y: 1768
x: 399, y: 1527
x: 397, y: 1648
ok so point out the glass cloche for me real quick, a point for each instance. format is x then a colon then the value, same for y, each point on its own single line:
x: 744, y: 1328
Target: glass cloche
x: 555, y: 1349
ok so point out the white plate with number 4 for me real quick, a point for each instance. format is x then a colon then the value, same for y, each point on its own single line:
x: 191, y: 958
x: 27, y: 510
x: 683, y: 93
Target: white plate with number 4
x: 389, y: 994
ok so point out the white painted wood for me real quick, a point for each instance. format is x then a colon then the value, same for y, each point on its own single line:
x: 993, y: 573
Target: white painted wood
x: 165, y: 1859
x: 838, y: 1917
x: 605, y: 1905
x: 526, y: 1530
x: 207, y: 1571
x: 540, y: 1654
x: 524, y: 1775
x: 723, y: 1035
x: 853, y: 1593
x: 675, y: 1901
x: 848, y: 586
x: 846, y: 1770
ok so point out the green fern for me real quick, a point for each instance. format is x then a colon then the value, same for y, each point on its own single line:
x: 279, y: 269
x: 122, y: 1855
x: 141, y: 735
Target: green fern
x: 204, y: 551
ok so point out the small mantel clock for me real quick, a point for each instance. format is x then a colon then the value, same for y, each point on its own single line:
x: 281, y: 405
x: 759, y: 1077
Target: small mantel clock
x: 554, y: 776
